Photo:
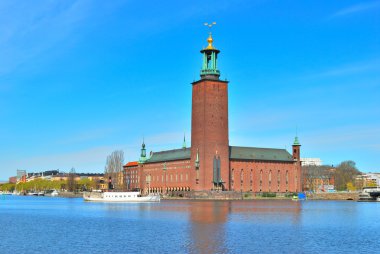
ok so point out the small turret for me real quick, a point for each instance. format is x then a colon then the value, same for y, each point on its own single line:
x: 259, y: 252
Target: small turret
x: 143, y: 153
x: 296, y: 149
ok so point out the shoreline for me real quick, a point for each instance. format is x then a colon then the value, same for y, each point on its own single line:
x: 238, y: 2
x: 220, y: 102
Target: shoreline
x: 221, y: 196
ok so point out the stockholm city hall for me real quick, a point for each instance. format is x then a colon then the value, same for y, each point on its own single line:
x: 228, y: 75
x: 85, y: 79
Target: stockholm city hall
x: 211, y: 163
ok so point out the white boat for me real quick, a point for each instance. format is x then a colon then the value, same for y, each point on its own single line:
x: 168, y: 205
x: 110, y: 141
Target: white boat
x: 370, y: 194
x: 120, y: 197
x: 51, y: 193
x: 54, y: 193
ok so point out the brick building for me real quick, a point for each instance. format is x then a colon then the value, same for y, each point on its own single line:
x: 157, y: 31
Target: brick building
x: 211, y: 163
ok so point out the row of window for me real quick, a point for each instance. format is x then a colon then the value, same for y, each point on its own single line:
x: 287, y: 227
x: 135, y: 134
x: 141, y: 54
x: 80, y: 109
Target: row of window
x: 261, y: 175
x: 169, y: 178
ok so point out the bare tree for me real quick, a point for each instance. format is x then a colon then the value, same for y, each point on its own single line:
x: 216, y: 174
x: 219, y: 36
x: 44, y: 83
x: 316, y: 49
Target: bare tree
x: 71, y: 183
x: 114, y: 169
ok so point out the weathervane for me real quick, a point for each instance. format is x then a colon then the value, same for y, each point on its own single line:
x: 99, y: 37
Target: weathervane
x: 209, y: 25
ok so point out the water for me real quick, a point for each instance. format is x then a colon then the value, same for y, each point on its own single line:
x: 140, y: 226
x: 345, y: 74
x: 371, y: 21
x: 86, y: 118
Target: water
x: 59, y: 225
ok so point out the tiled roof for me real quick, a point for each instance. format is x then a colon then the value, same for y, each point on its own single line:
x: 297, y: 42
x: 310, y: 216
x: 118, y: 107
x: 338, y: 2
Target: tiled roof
x: 170, y: 155
x: 131, y: 164
x: 255, y: 153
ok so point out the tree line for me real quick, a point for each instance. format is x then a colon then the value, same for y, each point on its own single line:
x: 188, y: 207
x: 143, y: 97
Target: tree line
x: 43, y: 184
x: 344, y: 175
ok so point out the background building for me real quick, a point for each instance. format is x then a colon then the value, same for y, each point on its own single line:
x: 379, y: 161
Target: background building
x: 311, y: 162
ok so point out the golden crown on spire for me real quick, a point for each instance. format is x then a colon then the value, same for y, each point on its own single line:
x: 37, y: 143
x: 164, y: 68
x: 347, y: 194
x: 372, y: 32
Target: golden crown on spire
x: 209, y: 39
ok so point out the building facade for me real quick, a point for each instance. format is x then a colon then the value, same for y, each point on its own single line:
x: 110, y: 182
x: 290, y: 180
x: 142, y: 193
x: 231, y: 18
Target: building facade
x: 211, y: 163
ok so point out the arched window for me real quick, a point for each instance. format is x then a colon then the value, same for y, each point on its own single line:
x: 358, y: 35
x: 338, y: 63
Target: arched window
x: 287, y: 180
x: 287, y: 176
x: 232, y: 178
x: 241, y: 176
x: 251, y: 180
x: 270, y: 177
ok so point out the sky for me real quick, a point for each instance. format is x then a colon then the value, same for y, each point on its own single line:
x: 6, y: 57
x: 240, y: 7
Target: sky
x: 80, y: 79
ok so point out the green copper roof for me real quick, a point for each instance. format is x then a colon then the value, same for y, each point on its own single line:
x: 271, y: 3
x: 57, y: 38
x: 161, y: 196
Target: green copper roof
x: 170, y: 155
x: 236, y: 152
x: 296, y: 142
x: 255, y: 153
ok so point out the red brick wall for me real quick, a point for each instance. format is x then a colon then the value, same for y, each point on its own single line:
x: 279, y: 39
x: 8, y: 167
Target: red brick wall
x: 176, y: 177
x: 247, y: 175
x: 133, y: 174
x: 209, y: 131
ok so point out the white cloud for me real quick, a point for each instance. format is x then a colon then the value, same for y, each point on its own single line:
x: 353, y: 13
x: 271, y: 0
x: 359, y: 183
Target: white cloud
x: 355, y: 9
x: 347, y: 69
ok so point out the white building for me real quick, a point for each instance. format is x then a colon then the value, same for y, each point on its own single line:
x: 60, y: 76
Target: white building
x: 311, y: 162
x: 373, y: 178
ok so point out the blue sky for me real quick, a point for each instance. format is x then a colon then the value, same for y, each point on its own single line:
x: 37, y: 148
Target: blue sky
x: 79, y: 79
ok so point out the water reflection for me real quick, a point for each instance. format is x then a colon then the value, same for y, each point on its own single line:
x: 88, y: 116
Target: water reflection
x: 207, y: 226
x: 209, y: 220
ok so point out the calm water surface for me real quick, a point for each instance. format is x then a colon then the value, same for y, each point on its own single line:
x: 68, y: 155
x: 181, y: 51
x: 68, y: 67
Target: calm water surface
x: 59, y: 225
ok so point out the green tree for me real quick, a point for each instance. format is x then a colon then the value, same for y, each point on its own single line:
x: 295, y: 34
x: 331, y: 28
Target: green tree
x: 86, y: 184
x: 345, y: 173
x: 9, y: 187
x: 350, y: 186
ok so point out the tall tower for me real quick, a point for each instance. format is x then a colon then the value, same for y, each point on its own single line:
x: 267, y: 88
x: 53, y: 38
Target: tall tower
x: 209, y: 125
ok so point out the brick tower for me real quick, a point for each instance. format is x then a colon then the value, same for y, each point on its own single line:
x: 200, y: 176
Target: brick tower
x: 209, y: 126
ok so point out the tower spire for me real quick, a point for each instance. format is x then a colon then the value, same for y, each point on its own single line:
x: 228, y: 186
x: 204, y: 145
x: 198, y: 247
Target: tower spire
x: 210, y: 54
x: 184, y: 141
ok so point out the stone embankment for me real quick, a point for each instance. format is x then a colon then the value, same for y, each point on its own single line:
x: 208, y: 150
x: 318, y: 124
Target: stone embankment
x: 233, y: 195
x: 71, y: 194
x: 334, y: 196
x: 204, y: 195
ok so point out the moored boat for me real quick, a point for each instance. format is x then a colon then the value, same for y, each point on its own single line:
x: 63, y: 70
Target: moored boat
x: 370, y: 194
x: 300, y: 196
x: 119, y: 197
